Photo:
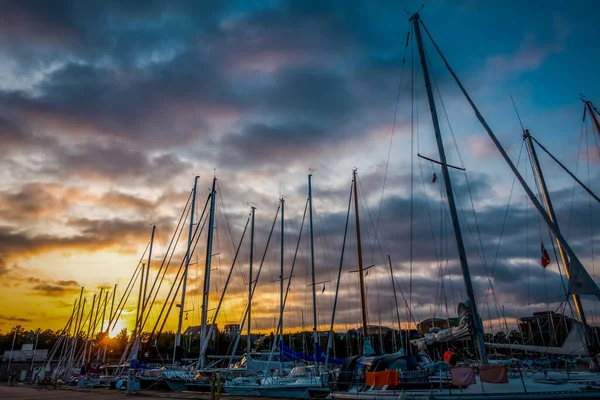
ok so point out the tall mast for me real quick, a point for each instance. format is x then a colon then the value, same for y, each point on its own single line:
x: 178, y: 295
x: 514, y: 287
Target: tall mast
x: 101, y: 329
x: 591, y: 110
x: 209, y: 244
x: 94, y: 323
x: 89, y: 330
x: 478, y: 327
x: 312, y: 268
x: 363, y: 300
x: 144, y: 301
x: 76, y: 326
x: 552, y: 215
x: 396, y: 301
x: 249, y: 341
x: 281, y: 281
x: 581, y: 282
x: 110, y: 318
x: 139, y: 304
x: 185, y: 271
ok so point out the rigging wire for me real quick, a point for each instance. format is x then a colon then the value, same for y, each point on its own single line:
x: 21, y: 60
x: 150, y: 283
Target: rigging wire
x: 376, y: 237
x: 387, y: 163
x: 583, y: 124
x: 591, y: 214
x: 477, y: 244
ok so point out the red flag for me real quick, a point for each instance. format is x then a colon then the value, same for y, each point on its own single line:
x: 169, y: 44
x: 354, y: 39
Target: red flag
x: 545, y: 257
x: 434, y: 180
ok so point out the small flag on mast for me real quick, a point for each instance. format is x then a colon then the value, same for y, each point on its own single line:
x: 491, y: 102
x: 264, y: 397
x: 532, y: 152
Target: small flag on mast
x: 545, y: 257
x: 323, y: 290
x: 434, y: 179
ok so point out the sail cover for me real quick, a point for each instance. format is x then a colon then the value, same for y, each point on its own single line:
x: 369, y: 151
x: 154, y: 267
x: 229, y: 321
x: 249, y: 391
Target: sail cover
x: 580, y: 281
x: 461, y: 331
x: 574, y: 345
x: 291, y: 355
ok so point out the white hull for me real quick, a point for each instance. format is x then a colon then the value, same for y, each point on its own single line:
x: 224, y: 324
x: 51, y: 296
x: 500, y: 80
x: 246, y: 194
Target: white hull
x: 487, y: 391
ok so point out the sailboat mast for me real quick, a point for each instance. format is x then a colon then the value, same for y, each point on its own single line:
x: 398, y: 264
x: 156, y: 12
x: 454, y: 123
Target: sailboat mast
x: 552, y: 215
x: 478, y: 327
x: 89, y: 329
x: 312, y: 267
x: 363, y: 300
x: 185, y: 271
x: 593, y: 114
x: 281, y: 280
x: 139, y: 304
x: 209, y: 244
x: 144, y: 301
x: 95, y: 322
x: 249, y: 341
x: 581, y: 282
x: 396, y: 301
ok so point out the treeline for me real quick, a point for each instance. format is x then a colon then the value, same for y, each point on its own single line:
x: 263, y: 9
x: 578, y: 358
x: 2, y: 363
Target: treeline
x: 159, y: 348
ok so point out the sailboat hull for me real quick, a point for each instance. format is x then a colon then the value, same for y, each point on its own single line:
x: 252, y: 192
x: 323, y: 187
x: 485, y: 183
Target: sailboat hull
x: 203, y: 387
x: 487, y: 391
x: 397, y: 395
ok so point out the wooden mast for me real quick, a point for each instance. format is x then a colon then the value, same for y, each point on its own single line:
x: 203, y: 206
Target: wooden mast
x: 363, y: 300
x: 478, y: 328
x: 550, y: 209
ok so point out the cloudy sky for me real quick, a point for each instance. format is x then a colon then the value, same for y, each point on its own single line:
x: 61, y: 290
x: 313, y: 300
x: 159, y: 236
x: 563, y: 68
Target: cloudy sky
x: 108, y: 109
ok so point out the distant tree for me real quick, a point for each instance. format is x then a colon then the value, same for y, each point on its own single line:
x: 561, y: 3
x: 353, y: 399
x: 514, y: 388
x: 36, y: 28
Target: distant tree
x: 500, y: 337
x: 120, y: 342
x: 514, y: 336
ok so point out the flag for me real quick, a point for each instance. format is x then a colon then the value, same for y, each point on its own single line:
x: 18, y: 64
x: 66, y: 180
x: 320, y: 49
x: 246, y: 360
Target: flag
x: 434, y: 179
x: 545, y: 257
x: 367, y: 273
x: 323, y: 290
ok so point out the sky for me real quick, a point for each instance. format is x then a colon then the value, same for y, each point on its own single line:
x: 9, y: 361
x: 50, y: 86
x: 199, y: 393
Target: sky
x: 109, y: 109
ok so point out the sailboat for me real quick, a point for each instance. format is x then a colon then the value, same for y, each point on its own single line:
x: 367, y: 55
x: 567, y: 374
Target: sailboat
x: 469, y: 382
x: 303, y: 381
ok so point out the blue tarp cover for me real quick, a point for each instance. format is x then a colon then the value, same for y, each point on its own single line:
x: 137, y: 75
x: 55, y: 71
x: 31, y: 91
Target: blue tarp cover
x: 288, y: 354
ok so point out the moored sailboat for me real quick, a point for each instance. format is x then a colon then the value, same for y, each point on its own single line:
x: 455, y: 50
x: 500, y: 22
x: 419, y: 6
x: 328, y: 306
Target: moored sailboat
x: 475, y: 382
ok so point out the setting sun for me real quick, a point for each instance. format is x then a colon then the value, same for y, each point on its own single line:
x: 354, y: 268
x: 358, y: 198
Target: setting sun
x: 117, y: 328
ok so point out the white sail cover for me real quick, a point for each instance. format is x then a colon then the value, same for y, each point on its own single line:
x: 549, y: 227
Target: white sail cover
x: 574, y: 345
x: 580, y: 281
x: 461, y: 331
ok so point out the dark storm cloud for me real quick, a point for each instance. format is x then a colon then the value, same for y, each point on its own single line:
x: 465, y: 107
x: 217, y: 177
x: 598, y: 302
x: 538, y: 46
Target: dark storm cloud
x: 13, y: 319
x: 168, y: 102
x: 93, y: 235
x: 56, y: 289
x: 516, y: 273
x: 140, y: 92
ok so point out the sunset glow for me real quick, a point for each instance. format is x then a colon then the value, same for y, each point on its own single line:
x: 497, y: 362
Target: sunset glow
x: 108, y: 112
